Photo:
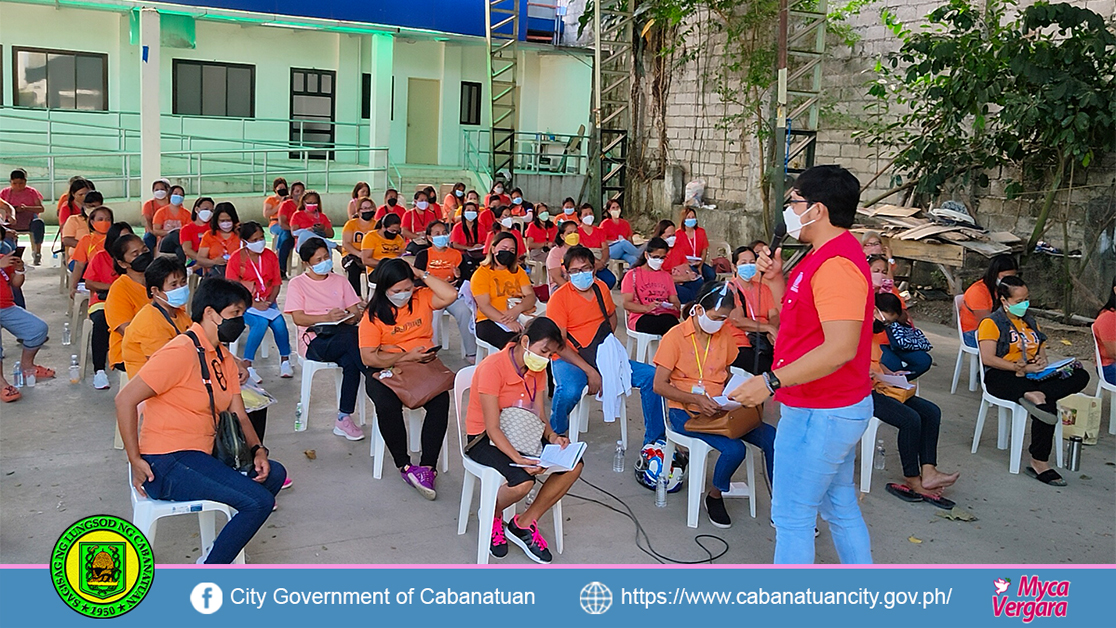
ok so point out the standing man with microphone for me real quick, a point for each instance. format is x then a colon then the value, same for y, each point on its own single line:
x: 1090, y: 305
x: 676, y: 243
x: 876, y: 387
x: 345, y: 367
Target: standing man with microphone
x: 820, y: 373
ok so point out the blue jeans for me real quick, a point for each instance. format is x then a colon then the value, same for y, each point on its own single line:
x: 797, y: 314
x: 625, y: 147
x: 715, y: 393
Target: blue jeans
x: 257, y: 329
x: 970, y: 338
x: 606, y: 276
x: 1109, y: 373
x: 25, y: 326
x: 569, y: 382
x: 624, y: 250
x: 189, y: 475
x: 814, y: 473
x: 150, y: 240
x: 917, y: 362
x: 732, y: 450
x: 286, y: 245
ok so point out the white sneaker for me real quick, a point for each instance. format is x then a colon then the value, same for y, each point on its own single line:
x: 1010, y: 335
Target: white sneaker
x: 285, y: 370
x: 100, y: 380
x: 253, y: 375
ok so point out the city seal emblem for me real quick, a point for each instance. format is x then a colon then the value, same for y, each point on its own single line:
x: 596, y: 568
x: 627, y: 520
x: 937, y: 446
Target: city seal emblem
x: 102, y: 566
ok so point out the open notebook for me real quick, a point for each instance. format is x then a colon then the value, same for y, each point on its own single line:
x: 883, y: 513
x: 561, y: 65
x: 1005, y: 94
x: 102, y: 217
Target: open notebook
x: 555, y: 458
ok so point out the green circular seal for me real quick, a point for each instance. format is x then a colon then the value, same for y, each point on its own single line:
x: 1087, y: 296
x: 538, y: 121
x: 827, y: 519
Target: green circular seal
x: 102, y: 566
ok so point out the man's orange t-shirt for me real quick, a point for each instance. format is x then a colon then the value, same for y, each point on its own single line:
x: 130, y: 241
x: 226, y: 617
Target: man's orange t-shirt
x: 125, y: 298
x: 171, y: 218
x: 414, y: 326
x: 148, y: 332
x: 496, y: 375
x: 218, y: 246
x: 178, y: 417
x: 578, y: 315
x: 976, y: 298
x: 694, y: 363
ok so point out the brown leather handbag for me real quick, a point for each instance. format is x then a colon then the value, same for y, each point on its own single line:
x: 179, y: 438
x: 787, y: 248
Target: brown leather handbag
x: 416, y: 383
x: 733, y: 423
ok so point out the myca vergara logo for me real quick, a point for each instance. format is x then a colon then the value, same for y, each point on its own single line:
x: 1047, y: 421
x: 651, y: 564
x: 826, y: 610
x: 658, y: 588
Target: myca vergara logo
x: 102, y: 566
x: 1035, y: 598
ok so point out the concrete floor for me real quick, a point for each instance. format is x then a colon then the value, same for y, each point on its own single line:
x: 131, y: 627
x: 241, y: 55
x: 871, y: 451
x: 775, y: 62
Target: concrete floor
x: 57, y: 465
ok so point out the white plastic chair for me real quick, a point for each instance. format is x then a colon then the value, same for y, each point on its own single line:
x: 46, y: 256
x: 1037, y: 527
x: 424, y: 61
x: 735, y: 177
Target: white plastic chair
x: 309, y: 368
x: 962, y: 349
x: 699, y: 456
x: 868, y: 454
x: 414, y: 441
x: 146, y: 513
x: 579, y: 417
x: 86, y: 340
x: 1103, y: 385
x: 641, y: 341
x: 79, y: 310
x: 484, y: 350
x: 490, y: 479
x: 1017, y: 426
x: 441, y: 329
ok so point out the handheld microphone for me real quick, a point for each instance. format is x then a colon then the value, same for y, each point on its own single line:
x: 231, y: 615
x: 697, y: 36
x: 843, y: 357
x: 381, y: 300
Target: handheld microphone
x: 777, y: 237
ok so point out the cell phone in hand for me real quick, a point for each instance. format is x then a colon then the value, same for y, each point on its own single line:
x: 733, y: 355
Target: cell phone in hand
x: 434, y: 349
x: 19, y: 251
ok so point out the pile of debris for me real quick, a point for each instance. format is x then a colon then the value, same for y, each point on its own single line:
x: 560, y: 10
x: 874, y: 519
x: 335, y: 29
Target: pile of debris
x: 915, y: 236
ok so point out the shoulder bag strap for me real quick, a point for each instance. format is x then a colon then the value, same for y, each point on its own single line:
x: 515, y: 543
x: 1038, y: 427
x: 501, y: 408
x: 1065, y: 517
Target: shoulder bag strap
x: 173, y: 326
x: 205, y: 375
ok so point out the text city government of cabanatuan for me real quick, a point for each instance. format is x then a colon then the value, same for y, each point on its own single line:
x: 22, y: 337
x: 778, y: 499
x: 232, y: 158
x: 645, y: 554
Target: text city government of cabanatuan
x: 495, y: 597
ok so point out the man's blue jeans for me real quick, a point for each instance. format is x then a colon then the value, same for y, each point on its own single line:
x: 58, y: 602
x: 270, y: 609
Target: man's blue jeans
x: 189, y: 475
x: 733, y: 451
x: 569, y: 382
x: 816, y: 455
x: 257, y: 329
x: 624, y: 250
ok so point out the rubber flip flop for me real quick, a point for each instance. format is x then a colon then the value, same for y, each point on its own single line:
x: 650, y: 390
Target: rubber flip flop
x: 904, y: 492
x: 939, y: 501
x: 9, y: 394
x: 1043, y: 415
x: 1050, y: 476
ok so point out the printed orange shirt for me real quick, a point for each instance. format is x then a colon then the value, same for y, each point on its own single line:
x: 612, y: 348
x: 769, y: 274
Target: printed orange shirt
x: 579, y: 316
x: 693, y: 363
x: 125, y: 298
x: 171, y: 217
x: 496, y: 375
x: 413, y: 326
x: 499, y: 285
x: 441, y: 264
x: 178, y: 417
x: 382, y: 248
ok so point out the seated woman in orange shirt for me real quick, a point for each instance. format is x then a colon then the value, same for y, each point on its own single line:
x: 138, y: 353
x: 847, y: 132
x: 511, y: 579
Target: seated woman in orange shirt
x: 75, y: 207
x: 221, y: 241
x: 98, y: 223
x: 980, y: 297
x: 444, y: 262
x: 352, y: 236
x: 184, y: 392
x: 398, y: 329
x: 163, y: 318
x: 190, y: 236
x: 502, y: 291
x: 126, y: 297
x: 383, y: 242
x: 170, y: 217
x: 514, y: 378
x: 99, y: 276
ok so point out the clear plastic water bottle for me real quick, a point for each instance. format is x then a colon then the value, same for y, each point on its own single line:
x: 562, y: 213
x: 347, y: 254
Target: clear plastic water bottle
x: 66, y: 334
x: 17, y: 374
x: 879, y: 463
x: 298, y: 417
x: 618, y: 460
x: 75, y: 370
x: 661, y: 489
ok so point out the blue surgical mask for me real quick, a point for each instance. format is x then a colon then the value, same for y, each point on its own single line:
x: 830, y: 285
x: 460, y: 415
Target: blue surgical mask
x: 470, y: 216
x: 178, y: 297
x: 440, y: 241
x: 690, y: 223
x: 517, y: 200
x: 582, y: 280
x: 323, y: 267
x: 746, y: 271
x: 176, y: 199
x: 1019, y: 309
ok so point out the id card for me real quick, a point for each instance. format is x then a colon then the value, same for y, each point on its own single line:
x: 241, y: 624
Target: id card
x: 697, y: 389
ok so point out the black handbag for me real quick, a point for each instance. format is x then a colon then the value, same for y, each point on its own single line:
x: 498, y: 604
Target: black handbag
x: 229, y: 444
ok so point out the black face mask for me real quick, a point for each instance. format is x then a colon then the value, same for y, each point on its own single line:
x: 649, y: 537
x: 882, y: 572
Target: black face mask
x: 230, y: 329
x: 392, y: 201
x: 366, y: 216
x: 282, y: 191
x: 877, y: 326
x: 142, y: 261
x: 505, y: 258
x: 390, y: 235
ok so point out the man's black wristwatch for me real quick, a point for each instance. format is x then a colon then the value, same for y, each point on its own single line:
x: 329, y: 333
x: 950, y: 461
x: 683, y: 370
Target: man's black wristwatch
x: 256, y: 448
x: 772, y: 382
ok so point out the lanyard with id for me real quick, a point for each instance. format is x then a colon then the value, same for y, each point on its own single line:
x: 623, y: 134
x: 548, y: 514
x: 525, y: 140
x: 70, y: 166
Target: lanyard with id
x: 699, y: 388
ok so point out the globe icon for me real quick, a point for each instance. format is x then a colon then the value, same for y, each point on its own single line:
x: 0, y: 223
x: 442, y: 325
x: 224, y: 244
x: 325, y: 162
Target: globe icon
x: 596, y: 598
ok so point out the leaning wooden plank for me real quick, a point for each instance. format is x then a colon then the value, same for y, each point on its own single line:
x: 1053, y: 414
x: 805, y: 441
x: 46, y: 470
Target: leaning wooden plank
x: 987, y: 249
x: 945, y: 254
x: 1004, y: 237
x: 924, y: 231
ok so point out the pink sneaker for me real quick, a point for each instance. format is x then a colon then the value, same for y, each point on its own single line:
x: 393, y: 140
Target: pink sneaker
x: 345, y: 427
x: 286, y: 483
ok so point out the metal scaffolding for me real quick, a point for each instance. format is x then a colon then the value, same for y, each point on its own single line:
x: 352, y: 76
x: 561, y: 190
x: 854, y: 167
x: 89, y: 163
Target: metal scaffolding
x: 801, y: 52
x: 502, y: 36
x: 612, y: 88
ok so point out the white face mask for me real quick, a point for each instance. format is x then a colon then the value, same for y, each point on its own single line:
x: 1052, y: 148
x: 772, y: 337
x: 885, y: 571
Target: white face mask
x: 615, y: 213
x: 794, y: 222
x: 225, y: 226
x: 670, y: 240
x: 422, y: 204
x: 507, y: 222
x: 399, y: 299
x: 205, y: 214
x: 707, y: 324
x: 587, y: 219
x: 257, y: 247
x: 159, y: 194
x: 655, y: 263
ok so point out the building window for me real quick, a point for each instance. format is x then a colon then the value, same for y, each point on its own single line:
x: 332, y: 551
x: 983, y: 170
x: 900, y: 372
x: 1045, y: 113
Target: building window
x: 202, y: 88
x: 470, y: 103
x: 366, y: 96
x: 59, y: 79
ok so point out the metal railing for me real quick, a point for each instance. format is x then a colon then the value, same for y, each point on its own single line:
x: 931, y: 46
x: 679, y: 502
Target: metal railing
x: 535, y: 153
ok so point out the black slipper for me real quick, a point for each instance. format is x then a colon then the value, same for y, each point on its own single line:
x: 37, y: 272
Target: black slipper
x: 1050, y: 476
x: 904, y: 492
x: 939, y: 501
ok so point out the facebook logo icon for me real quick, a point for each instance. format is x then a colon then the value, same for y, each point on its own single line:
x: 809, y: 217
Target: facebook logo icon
x: 206, y: 598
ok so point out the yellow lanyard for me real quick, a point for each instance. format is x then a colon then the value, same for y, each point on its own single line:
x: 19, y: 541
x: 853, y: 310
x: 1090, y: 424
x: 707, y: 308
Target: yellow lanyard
x: 705, y: 358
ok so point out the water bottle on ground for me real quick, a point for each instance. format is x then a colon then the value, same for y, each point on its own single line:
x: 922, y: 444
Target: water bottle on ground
x: 17, y: 374
x: 66, y: 334
x: 618, y: 460
x: 879, y: 462
x: 75, y: 370
x: 298, y: 417
x: 661, y: 488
